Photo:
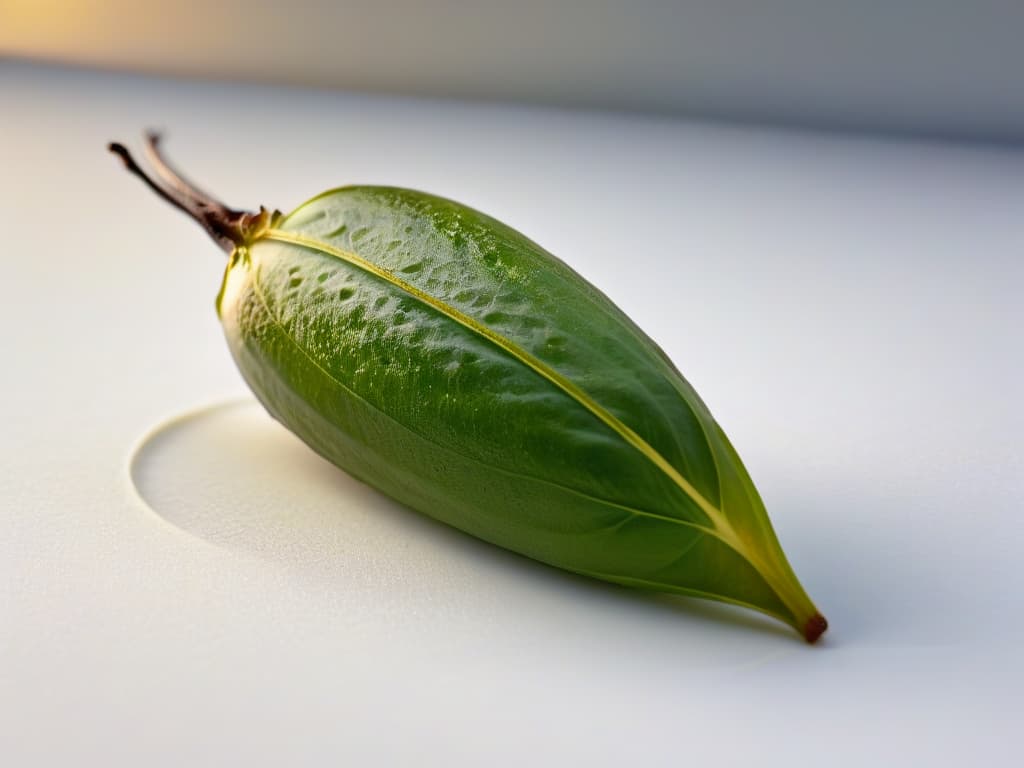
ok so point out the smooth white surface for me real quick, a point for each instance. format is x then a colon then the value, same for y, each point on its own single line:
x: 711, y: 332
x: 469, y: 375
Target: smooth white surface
x: 849, y: 309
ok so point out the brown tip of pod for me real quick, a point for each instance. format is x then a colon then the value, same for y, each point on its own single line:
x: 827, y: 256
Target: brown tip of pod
x: 815, y: 627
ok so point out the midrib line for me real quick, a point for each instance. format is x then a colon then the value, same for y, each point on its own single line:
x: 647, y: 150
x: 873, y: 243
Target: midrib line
x: 722, y: 529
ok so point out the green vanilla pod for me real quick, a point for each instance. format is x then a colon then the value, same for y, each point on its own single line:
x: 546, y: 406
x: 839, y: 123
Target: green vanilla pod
x: 453, y: 364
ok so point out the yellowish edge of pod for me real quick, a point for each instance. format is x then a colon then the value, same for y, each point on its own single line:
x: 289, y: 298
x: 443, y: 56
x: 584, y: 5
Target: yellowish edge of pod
x: 722, y: 528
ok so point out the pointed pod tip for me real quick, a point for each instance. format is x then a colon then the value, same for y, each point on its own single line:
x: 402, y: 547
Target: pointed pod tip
x: 815, y: 627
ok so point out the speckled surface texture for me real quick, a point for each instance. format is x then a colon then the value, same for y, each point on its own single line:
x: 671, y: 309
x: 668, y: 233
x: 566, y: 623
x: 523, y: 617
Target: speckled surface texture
x: 205, y: 590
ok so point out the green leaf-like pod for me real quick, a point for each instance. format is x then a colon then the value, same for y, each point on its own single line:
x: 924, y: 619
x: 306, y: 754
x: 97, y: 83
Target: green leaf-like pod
x: 445, y: 359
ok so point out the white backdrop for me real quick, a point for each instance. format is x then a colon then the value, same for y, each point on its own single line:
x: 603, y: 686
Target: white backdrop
x: 211, y: 593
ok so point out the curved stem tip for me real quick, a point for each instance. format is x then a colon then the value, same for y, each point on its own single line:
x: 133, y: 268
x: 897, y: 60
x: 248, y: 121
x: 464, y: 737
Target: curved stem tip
x: 228, y: 227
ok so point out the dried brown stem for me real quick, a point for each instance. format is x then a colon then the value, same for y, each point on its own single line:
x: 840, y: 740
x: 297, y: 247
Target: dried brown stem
x: 225, y: 225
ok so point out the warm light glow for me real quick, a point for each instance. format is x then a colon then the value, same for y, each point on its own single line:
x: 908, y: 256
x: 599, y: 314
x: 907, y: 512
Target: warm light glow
x: 49, y: 28
x: 117, y: 33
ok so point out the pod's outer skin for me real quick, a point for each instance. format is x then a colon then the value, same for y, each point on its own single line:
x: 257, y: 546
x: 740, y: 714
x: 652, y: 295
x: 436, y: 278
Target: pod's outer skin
x: 445, y: 359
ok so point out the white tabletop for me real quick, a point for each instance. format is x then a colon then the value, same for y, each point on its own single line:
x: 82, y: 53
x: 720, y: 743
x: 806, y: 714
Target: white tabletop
x: 182, y: 582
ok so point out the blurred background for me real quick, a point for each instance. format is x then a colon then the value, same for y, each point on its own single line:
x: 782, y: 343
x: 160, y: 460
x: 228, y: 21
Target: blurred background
x: 813, y: 207
x: 945, y: 68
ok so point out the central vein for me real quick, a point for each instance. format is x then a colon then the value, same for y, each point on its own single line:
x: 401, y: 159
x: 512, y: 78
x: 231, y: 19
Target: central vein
x: 722, y: 528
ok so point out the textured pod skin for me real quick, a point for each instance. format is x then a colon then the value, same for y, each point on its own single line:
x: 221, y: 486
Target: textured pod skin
x: 450, y: 362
